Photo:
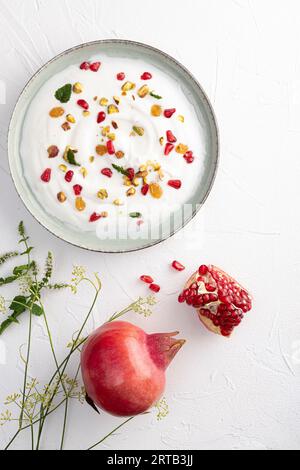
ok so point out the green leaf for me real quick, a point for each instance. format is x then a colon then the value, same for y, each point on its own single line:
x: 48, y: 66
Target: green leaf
x: 135, y: 215
x: 154, y: 95
x: 71, y: 158
x: 18, y: 305
x: 37, y: 310
x: 29, y: 250
x: 63, y: 94
x: 8, y: 280
x: 19, y: 270
x: 120, y: 169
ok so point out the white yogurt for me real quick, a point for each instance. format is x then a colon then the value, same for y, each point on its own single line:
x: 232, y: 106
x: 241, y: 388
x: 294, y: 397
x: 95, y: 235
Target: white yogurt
x: 41, y: 131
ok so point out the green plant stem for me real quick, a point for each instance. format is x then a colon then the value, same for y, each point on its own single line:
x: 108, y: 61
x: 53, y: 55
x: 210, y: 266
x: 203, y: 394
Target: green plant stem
x: 67, y: 361
x: 36, y: 421
x: 66, y: 412
x: 111, y: 433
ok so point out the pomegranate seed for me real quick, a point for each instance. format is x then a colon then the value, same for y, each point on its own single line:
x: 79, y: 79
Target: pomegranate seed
x: 95, y: 66
x: 176, y: 184
x: 210, y: 287
x: 146, y: 76
x: 110, y: 147
x: 94, y: 217
x: 147, y: 279
x: 178, y: 266
x: 168, y: 113
x: 77, y: 189
x: 145, y: 189
x: 203, y: 270
x: 171, y: 137
x: 181, y: 299
x: 189, y: 157
x: 69, y: 176
x: 130, y: 173
x: 46, y: 176
x: 101, y: 117
x: 155, y: 288
x: 83, y: 104
x: 185, y: 293
x: 121, y: 76
x: 85, y: 66
x: 169, y: 148
x: 107, y: 172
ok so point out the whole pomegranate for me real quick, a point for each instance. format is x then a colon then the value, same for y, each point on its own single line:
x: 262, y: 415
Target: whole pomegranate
x: 123, y: 368
x: 220, y: 301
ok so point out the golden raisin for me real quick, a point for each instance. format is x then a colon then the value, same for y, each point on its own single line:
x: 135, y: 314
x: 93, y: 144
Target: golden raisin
x: 57, y: 112
x: 182, y: 149
x: 156, y: 190
x: 61, y: 197
x: 101, y: 150
x: 80, y: 204
x: 119, y: 154
x: 156, y: 110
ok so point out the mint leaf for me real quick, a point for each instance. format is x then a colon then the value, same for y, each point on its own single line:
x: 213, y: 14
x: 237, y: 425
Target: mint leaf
x: 18, y: 305
x: 19, y: 270
x: 120, y: 169
x: 63, y: 94
x: 154, y: 95
x: 135, y: 215
x: 71, y: 158
x: 37, y: 310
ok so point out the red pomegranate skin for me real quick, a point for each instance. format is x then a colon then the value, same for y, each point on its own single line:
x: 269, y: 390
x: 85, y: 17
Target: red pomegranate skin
x: 123, y: 368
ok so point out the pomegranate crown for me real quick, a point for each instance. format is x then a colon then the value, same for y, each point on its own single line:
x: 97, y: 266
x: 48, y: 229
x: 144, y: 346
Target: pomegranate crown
x: 163, y: 348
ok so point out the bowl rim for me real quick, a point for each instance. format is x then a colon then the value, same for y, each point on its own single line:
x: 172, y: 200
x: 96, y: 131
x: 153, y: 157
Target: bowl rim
x: 177, y: 64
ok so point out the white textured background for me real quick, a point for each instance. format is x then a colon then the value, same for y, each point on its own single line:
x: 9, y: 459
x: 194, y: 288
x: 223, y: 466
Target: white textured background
x: 237, y: 394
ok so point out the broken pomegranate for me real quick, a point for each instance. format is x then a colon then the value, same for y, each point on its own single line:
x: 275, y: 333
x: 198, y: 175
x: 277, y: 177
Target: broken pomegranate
x: 178, y: 266
x: 171, y: 137
x: 110, y: 147
x: 147, y: 279
x: 176, y: 184
x: 123, y: 368
x: 95, y: 66
x: 168, y: 113
x: 155, y: 288
x: 69, y: 176
x: 121, y: 76
x: 46, y: 175
x: 220, y: 301
x: 77, y: 189
x: 130, y: 173
x: 83, y: 104
x: 101, y: 117
x: 145, y: 189
x: 107, y: 172
x: 95, y: 217
x: 189, y: 157
x: 85, y: 66
x: 168, y: 148
x: 146, y: 76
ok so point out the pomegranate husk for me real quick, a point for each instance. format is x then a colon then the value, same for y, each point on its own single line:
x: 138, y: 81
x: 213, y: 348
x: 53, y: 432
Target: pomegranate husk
x: 207, y: 322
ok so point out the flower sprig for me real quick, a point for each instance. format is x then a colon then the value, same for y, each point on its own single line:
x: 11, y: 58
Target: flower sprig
x: 31, y: 406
